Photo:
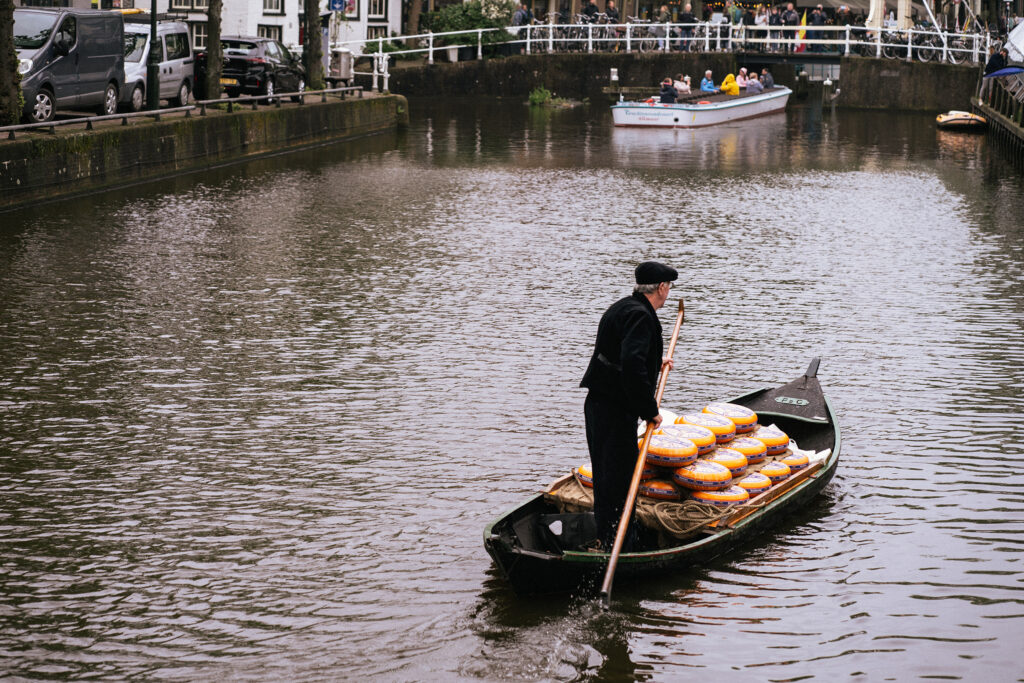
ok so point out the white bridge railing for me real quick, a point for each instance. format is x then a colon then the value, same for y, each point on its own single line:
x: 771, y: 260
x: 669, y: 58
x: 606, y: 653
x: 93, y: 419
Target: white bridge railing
x: 922, y: 44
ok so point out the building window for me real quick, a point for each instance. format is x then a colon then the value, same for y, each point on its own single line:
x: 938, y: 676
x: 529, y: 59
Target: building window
x: 273, y: 6
x: 201, y: 4
x: 373, y: 32
x: 181, y: 4
x: 272, y: 32
x: 377, y: 9
x: 199, y: 35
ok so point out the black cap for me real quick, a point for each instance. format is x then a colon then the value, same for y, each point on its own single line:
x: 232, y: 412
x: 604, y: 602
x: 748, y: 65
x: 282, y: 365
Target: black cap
x: 652, y: 272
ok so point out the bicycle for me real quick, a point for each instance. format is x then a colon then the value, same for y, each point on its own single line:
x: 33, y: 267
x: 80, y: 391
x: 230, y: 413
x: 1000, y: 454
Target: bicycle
x: 646, y: 40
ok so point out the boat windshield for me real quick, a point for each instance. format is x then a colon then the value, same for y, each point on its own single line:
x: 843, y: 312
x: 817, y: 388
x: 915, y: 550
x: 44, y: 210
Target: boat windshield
x: 32, y: 29
x: 134, y: 46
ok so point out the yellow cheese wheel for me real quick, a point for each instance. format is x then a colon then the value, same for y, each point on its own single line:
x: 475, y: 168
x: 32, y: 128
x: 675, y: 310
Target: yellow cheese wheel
x: 667, y: 451
x: 731, y: 458
x: 660, y: 489
x: 776, y: 471
x: 755, y: 483
x: 584, y: 475
x: 722, y: 427
x: 744, y: 418
x: 755, y: 450
x: 702, y: 437
x: 703, y: 475
x: 796, y: 461
x: 775, y: 440
x: 722, y: 498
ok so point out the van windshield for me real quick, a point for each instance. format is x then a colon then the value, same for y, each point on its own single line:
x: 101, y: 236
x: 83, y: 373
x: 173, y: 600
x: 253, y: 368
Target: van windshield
x: 31, y: 29
x: 238, y: 47
x: 134, y: 46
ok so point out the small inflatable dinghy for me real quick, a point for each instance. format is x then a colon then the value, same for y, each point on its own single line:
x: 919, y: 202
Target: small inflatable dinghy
x: 960, y: 120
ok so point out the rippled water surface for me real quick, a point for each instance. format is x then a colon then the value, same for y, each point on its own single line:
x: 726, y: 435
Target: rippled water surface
x: 252, y: 423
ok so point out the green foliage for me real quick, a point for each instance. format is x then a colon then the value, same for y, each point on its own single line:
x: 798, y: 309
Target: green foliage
x: 469, y: 16
x: 540, y: 96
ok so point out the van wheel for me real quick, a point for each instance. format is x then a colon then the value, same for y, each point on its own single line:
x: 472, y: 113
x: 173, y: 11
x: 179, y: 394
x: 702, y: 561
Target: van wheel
x: 43, y: 108
x: 301, y: 88
x: 109, y: 105
x: 182, y: 99
x: 138, y: 98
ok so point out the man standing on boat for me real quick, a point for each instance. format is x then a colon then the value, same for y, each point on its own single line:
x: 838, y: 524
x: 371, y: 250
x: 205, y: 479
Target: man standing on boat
x: 621, y: 380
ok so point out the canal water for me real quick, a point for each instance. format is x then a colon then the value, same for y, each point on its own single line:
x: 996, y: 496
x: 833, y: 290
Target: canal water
x: 253, y: 422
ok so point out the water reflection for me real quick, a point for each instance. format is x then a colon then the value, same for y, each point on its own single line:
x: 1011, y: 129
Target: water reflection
x: 252, y: 422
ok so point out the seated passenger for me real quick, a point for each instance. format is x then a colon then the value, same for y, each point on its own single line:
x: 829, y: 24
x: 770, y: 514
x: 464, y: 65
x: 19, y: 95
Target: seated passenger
x: 754, y: 86
x: 741, y: 78
x: 707, y: 84
x: 677, y: 83
x: 729, y: 86
x: 668, y: 93
x: 685, y: 90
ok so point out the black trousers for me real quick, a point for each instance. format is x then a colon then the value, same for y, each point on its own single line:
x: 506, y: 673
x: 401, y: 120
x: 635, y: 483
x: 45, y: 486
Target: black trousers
x: 611, y: 438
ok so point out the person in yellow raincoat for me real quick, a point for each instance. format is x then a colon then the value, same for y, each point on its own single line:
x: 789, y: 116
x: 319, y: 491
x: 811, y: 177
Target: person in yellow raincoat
x: 729, y: 85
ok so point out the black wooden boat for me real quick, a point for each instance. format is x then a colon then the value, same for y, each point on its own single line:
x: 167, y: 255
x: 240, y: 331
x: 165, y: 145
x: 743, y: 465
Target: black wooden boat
x: 535, y: 560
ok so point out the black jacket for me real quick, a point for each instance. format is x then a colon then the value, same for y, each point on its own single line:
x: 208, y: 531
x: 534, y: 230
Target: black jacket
x: 627, y: 356
x: 668, y: 94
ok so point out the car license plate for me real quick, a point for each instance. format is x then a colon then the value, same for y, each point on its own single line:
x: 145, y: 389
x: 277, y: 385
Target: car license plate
x: 229, y: 81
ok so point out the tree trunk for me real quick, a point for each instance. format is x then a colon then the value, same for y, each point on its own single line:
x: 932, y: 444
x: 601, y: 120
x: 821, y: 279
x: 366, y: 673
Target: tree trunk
x: 312, y: 50
x: 214, y: 53
x: 10, y: 80
x: 413, y: 27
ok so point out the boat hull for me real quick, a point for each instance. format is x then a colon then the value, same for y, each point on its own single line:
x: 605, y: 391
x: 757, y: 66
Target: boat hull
x: 531, y: 568
x: 717, y: 110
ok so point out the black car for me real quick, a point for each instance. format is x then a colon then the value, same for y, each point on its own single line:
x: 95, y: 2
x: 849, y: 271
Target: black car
x: 258, y: 66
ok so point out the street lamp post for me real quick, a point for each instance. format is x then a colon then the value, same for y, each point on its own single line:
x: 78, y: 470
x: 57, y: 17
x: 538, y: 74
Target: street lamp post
x: 153, y: 63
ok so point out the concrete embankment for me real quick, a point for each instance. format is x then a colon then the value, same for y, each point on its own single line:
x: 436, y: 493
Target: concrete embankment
x: 39, y: 166
x: 864, y: 83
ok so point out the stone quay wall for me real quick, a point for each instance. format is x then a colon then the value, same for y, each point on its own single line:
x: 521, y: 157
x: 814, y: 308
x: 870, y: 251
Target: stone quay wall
x: 38, y: 166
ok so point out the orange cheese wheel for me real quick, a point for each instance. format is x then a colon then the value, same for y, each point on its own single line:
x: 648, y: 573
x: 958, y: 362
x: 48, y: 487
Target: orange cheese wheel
x: 755, y: 450
x: 660, y: 489
x: 796, y: 461
x: 722, y: 427
x: 702, y: 437
x: 584, y: 475
x: 722, y: 498
x: 744, y: 418
x: 667, y: 451
x: 755, y: 483
x: 774, y: 439
x: 731, y: 458
x: 703, y: 475
x: 776, y: 471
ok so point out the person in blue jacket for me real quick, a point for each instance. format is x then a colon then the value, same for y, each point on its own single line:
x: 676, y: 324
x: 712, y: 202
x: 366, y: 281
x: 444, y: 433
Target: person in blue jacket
x: 707, y: 84
x: 620, y: 380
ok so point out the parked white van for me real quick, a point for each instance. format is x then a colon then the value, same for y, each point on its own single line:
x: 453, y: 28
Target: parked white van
x: 177, y: 63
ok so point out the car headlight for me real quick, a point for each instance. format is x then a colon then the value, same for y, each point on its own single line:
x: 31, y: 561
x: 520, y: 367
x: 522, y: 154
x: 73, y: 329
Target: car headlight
x: 24, y: 66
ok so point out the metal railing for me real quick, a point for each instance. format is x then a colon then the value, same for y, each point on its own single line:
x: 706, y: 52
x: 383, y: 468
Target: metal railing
x: 200, y: 105
x: 920, y: 43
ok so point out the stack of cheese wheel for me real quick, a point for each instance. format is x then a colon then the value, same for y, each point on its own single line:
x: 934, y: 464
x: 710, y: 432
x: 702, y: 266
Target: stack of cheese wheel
x: 722, y: 427
x: 776, y: 471
x: 668, y: 451
x: 744, y: 418
x: 723, y: 497
x: 703, y: 475
x: 796, y: 461
x: 702, y: 437
x: 774, y: 439
x: 755, y: 483
x: 584, y: 475
x: 752, y: 448
x: 660, y: 489
x: 731, y: 458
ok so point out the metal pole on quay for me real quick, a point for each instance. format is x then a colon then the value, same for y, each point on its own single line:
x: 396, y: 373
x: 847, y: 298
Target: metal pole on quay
x: 153, y: 63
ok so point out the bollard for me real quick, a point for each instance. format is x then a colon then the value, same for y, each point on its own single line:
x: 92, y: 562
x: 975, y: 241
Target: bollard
x: 430, y: 48
x: 629, y: 32
x: 479, y: 43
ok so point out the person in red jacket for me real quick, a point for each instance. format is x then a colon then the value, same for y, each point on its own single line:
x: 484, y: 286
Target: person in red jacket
x: 621, y: 379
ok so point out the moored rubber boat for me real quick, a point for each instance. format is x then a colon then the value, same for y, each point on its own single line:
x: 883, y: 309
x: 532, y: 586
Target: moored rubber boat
x: 701, y: 110
x: 540, y: 549
x: 960, y: 120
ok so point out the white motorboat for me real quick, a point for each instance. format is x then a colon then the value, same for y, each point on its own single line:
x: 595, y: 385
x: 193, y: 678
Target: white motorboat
x: 702, y: 109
